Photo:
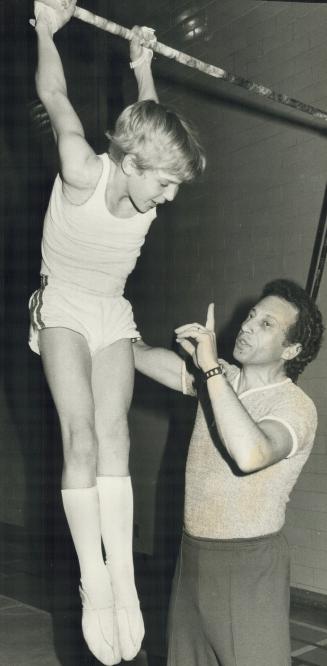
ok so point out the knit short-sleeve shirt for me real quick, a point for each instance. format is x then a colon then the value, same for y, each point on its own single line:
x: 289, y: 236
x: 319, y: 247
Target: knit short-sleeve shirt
x: 222, y: 502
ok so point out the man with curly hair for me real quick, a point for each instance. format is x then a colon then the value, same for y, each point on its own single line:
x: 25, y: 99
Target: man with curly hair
x: 253, y: 433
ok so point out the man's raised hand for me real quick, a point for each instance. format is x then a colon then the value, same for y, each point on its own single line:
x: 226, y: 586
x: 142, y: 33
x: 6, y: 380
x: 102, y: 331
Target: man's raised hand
x: 210, y: 323
x: 200, y: 341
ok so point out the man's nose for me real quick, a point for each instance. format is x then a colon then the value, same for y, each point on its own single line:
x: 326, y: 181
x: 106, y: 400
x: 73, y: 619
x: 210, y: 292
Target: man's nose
x: 248, y: 325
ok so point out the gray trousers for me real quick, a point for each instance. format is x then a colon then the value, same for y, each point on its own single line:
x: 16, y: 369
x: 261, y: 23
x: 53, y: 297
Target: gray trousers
x: 230, y: 603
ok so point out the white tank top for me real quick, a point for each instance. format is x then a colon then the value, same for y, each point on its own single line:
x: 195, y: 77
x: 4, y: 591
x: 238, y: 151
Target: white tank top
x: 88, y: 247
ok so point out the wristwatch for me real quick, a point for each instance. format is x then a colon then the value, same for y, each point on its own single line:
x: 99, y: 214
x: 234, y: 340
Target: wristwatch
x: 217, y: 370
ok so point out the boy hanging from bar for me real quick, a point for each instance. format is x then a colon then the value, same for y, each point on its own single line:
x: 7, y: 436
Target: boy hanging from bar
x: 100, y: 210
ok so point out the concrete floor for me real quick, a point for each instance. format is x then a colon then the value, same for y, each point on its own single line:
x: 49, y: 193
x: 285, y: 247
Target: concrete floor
x: 309, y: 636
x: 27, y: 639
x: 40, y: 611
x: 40, y: 617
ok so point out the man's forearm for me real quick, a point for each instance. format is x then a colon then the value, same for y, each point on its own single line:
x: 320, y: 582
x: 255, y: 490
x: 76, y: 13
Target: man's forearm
x: 145, y: 82
x: 242, y: 437
x: 50, y: 77
x: 162, y: 365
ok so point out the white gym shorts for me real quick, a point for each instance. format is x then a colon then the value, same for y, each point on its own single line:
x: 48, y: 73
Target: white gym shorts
x: 102, y: 320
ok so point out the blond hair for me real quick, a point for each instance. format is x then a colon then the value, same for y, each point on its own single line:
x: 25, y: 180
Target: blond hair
x: 158, y: 139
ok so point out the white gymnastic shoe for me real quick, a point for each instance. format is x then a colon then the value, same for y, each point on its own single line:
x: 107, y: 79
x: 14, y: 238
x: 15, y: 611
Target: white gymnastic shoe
x: 100, y: 631
x: 130, y: 630
x: 128, y: 615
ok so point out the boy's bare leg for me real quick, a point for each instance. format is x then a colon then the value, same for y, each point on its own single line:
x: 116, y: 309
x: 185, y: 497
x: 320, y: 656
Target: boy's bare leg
x: 112, y: 380
x: 68, y: 366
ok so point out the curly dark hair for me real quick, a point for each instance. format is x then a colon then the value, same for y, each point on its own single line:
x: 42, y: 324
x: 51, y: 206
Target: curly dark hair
x: 308, y: 328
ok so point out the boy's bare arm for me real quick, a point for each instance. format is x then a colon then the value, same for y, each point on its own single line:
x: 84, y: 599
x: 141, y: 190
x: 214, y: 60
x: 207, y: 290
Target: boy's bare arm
x: 141, y: 64
x: 80, y: 166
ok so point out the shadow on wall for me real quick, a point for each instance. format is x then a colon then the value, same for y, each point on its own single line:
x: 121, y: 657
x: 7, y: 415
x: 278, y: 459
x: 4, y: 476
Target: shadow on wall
x: 206, y: 90
x: 26, y: 187
x: 161, y: 424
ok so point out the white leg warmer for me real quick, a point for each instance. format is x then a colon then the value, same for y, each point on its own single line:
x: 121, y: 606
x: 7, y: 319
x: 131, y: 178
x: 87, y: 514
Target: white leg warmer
x: 116, y: 510
x: 81, y: 507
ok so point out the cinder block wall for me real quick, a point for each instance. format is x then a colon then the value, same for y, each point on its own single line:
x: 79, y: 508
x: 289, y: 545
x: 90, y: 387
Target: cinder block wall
x: 254, y: 216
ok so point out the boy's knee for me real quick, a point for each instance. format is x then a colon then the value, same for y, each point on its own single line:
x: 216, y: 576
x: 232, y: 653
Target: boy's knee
x: 79, y: 439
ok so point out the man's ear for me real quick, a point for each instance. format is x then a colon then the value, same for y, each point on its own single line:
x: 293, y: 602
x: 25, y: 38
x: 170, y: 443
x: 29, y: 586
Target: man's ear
x: 128, y: 164
x: 291, y: 351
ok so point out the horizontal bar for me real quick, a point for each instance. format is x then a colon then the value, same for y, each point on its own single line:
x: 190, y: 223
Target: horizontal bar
x: 201, y: 66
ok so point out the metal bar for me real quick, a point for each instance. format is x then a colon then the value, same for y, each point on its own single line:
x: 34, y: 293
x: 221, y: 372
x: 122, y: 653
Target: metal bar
x: 200, y: 65
x: 319, y: 253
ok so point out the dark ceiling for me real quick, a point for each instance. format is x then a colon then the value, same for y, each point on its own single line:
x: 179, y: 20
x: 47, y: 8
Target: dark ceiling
x: 163, y: 15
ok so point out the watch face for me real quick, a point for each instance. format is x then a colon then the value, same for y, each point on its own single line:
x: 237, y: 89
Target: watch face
x: 218, y: 370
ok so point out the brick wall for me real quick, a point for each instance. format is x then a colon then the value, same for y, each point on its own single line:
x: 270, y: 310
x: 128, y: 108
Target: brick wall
x: 254, y: 215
